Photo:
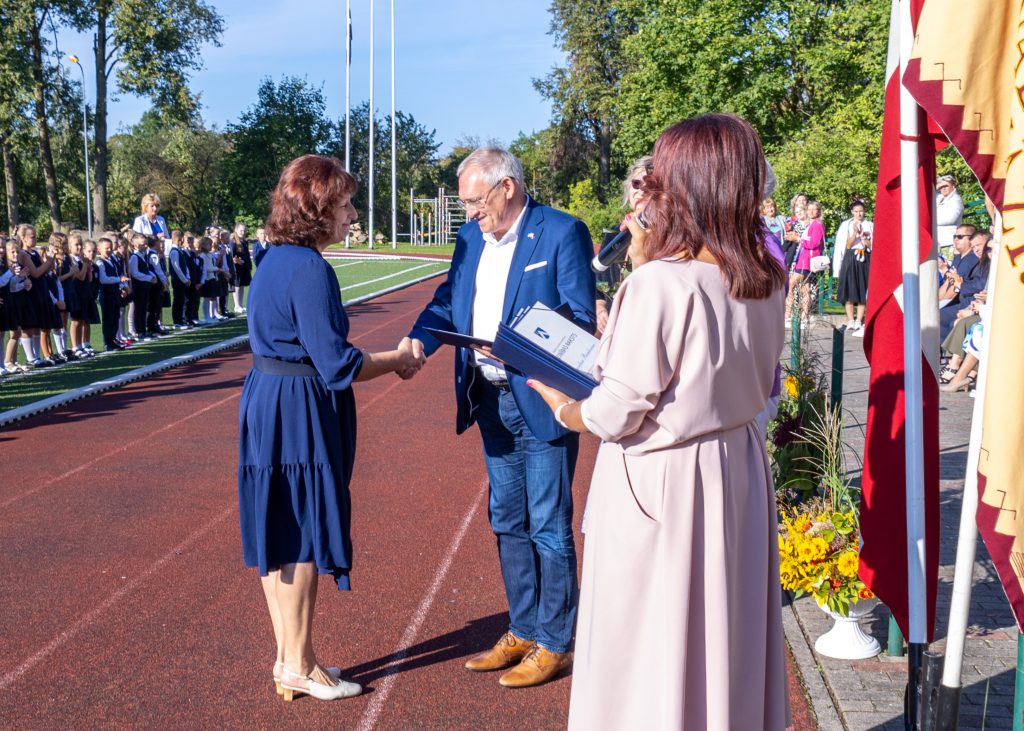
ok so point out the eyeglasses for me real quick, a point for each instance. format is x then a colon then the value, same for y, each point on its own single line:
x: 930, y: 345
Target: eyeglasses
x: 478, y: 203
x: 636, y: 183
x: 961, y: 236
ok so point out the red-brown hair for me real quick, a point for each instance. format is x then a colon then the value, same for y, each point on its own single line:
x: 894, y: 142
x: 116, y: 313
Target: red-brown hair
x: 305, y: 205
x: 705, y: 190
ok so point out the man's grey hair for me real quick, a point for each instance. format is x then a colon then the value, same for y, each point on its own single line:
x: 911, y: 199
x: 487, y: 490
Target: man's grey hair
x: 494, y: 163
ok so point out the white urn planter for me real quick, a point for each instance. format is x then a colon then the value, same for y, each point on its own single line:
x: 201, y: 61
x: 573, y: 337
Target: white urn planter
x: 846, y: 640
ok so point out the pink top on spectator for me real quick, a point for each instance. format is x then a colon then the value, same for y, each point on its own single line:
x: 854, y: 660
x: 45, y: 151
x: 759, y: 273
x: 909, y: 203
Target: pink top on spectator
x: 811, y: 244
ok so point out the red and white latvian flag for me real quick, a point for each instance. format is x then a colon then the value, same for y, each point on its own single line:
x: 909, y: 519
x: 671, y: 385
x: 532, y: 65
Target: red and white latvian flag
x: 967, y: 70
x: 883, y: 558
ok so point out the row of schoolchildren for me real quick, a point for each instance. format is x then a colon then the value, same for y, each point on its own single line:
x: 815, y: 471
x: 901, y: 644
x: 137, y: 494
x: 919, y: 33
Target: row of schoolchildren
x: 60, y: 290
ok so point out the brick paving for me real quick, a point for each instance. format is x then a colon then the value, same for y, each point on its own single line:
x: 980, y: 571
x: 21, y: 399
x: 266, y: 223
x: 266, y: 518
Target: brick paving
x: 868, y: 694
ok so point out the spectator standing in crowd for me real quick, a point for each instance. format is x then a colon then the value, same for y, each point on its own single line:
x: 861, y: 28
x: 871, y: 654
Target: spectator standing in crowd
x: 511, y: 253
x: 774, y: 223
x: 210, y: 288
x: 61, y: 284
x: 965, y: 338
x: 810, y: 245
x: 122, y: 252
x: 851, y: 263
x: 298, y: 418
x: 77, y: 296
x: 259, y: 246
x: 949, y: 212
x: 149, y: 222
x: 796, y: 224
x: 681, y: 567
x: 242, y: 261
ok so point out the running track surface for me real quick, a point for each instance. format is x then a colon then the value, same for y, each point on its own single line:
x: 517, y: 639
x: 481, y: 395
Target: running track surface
x: 124, y: 603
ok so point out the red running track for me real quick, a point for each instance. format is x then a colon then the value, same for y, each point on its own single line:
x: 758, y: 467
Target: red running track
x: 124, y: 603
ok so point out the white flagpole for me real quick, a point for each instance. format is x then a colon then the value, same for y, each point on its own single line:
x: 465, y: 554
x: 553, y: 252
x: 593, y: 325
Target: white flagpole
x: 913, y: 371
x: 348, y: 94
x: 967, y: 543
x: 369, y: 225
x: 394, y: 144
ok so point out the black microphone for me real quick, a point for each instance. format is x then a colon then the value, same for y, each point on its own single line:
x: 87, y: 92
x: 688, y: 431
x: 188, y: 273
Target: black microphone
x: 616, y: 247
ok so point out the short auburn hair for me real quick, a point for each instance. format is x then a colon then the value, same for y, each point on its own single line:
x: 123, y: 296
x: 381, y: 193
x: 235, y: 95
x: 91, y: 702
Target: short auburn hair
x: 704, y: 191
x: 305, y: 205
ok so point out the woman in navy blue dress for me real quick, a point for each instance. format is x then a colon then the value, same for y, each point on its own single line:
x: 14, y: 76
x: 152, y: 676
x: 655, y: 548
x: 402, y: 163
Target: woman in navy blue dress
x: 298, y: 416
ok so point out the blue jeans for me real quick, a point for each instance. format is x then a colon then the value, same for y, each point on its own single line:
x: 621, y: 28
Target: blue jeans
x: 530, y: 509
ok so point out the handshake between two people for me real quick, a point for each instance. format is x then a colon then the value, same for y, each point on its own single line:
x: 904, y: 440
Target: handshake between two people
x: 411, y: 358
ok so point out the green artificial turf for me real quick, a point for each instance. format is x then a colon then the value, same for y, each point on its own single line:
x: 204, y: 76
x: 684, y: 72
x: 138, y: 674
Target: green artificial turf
x: 357, y: 278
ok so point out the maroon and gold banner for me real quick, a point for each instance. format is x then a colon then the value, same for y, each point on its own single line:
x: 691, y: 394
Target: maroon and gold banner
x: 968, y: 73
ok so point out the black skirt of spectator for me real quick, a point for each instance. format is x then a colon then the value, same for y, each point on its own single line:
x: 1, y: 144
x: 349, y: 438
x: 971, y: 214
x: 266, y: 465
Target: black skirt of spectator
x: 853, y: 279
x: 243, y: 271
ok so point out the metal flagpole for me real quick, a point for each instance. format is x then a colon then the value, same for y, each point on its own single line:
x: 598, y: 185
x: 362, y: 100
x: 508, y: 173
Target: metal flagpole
x: 369, y: 223
x: 912, y: 373
x: 85, y: 147
x: 966, y: 547
x: 348, y: 95
x: 394, y: 143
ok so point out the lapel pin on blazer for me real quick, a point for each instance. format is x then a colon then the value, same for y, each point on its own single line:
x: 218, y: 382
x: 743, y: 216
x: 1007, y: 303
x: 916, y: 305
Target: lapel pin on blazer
x: 529, y: 235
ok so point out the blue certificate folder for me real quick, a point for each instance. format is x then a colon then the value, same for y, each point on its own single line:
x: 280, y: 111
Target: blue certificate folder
x: 534, y: 362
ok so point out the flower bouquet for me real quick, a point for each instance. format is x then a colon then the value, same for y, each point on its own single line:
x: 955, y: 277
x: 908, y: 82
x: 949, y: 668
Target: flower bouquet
x: 819, y: 555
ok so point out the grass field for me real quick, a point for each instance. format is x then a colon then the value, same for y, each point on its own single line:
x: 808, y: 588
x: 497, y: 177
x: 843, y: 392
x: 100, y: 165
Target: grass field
x: 444, y: 250
x: 357, y: 277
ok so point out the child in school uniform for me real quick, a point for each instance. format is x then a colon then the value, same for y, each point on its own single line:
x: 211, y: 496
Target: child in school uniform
x: 12, y: 285
x: 181, y: 281
x: 110, y: 294
x: 16, y: 301
x: 195, y: 297
x: 211, y: 281
x: 38, y: 313
x: 56, y: 250
x: 122, y: 251
x: 157, y: 264
x: 89, y: 294
x: 143, y: 279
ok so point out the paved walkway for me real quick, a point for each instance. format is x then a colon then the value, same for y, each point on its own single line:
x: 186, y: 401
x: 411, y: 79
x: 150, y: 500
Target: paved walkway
x: 868, y: 694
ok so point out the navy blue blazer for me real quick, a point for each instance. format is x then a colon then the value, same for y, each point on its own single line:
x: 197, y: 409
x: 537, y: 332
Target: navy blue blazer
x: 557, y: 250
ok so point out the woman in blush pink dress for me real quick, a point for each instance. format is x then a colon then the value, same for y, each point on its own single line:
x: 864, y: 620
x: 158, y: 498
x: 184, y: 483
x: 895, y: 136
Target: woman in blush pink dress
x: 680, y: 615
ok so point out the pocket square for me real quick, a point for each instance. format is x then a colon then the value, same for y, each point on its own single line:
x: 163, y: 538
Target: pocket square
x: 538, y: 265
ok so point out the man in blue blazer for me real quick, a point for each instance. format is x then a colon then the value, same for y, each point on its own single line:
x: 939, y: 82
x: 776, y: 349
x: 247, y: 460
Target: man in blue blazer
x: 511, y: 253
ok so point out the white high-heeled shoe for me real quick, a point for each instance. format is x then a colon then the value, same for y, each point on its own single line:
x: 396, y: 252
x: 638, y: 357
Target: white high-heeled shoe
x: 279, y: 669
x: 292, y: 683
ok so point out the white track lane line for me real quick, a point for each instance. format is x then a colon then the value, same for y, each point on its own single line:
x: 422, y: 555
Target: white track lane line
x: 88, y: 619
x: 389, y: 276
x: 122, y: 448
x: 381, y: 692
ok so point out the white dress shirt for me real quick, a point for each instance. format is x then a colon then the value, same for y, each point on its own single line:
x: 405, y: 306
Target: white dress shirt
x: 489, y: 294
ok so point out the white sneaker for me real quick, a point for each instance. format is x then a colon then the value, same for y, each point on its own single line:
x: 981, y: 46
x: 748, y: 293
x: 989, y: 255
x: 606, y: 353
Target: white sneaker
x: 859, y: 332
x: 850, y: 325
x: 789, y: 323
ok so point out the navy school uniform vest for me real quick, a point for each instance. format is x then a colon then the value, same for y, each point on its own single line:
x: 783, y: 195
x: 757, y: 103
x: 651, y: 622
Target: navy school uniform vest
x: 142, y: 263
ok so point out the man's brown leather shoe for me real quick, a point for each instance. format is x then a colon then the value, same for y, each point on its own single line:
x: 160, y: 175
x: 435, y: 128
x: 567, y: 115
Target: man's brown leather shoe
x: 509, y: 651
x: 539, y: 666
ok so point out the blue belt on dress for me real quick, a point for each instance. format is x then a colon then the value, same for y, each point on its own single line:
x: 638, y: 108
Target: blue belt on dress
x: 275, y: 367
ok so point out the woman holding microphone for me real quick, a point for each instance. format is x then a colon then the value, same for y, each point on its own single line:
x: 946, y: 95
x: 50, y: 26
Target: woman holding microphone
x: 680, y: 570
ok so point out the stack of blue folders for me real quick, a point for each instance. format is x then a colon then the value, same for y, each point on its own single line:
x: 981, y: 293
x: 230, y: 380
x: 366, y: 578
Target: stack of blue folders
x: 534, y: 362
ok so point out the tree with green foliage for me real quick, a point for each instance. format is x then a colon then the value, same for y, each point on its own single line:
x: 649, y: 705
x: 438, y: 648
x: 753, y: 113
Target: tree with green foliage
x: 181, y: 161
x: 153, y: 47
x: 287, y: 120
x: 584, y: 94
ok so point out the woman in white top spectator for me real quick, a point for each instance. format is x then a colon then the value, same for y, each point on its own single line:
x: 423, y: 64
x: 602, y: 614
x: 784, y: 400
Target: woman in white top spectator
x: 949, y: 212
x: 150, y: 222
x: 850, y: 264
